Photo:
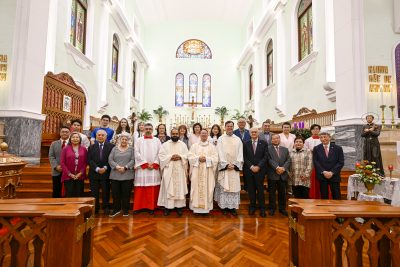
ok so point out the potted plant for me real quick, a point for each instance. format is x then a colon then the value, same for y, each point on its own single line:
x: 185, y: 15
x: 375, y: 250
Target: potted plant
x: 368, y: 174
x: 238, y: 115
x: 144, y: 116
x: 160, y: 112
x: 222, y: 112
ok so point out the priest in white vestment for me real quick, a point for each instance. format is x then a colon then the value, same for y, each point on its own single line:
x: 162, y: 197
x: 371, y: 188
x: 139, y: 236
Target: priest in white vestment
x: 203, y: 160
x: 174, y: 169
x: 147, y: 171
x: 230, y: 152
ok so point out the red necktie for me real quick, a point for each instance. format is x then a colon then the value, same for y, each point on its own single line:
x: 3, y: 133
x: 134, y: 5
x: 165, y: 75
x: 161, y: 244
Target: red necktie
x: 63, y: 144
x: 326, y: 151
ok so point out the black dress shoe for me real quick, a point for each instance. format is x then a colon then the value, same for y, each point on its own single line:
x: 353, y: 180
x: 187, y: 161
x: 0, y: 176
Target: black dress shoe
x: 283, y: 212
x: 179, y: 211
x: 252, y: 211
x: 233, y: 212
x: 271, y: 212
x: 225, y: 211
x: 166, y: 212
x: 263, y: 214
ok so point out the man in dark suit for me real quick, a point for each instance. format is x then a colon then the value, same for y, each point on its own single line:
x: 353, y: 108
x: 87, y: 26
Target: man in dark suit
x: 242, y: 132
x: 255, y: 156
x: 99, y: 170
x: 265, y: 134
x: 328, y: 160
x: 277, y: 174
x: 54, y: 157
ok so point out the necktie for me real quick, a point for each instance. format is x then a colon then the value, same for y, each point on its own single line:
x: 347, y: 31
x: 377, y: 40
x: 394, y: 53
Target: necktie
x: 277, y: 150
x: 326, y: 151
x: 254, y: 147
x: 101, y: 151
x: 63, y: 144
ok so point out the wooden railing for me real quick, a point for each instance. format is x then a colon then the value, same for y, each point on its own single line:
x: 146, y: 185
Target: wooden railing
x: 343, y: 233
x: 46, y: 232
x: 310, y: 117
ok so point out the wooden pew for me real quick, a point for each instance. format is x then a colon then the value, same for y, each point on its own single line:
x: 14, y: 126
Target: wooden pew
x: 343, y: 232
x: 49, y: 232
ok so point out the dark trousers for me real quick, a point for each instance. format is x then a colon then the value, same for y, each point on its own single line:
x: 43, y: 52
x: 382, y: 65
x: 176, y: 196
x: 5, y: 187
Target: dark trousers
x: 273, y: 185
x: 73, y: 188
x: 121, y: 193
x: 57, y: 186
x: 300, y: 191
x: 95, y: 186
x: 255, y: 189
x: 334, y: 187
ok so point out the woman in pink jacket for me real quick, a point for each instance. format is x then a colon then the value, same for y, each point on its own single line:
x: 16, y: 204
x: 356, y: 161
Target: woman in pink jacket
x: 73, y: 164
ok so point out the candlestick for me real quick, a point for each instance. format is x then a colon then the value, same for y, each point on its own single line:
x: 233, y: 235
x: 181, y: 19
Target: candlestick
x: 383, y: 115
x: 392, y: 110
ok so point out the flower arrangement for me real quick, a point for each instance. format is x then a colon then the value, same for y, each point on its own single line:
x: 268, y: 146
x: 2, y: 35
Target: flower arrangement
x: 368, y: 172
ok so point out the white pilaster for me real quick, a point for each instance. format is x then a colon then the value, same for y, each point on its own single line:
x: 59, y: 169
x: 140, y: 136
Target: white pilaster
x: 141, y: 84
x: 243, y: 87
x: 29, y: 56
x: 127, y: 81
x: 329, y: 86
x: 350, y: 70
x: 280, y: 63
x: 258, y: 78
x: 104, y: 54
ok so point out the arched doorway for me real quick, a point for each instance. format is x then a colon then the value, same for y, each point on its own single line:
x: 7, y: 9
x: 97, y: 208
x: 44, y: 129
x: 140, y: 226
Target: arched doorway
x: 63, y: 100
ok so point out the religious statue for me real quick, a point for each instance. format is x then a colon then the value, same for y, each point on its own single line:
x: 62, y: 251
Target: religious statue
x: 372, y: 148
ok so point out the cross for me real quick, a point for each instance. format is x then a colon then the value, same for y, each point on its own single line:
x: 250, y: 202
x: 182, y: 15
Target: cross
x: 193, y: 105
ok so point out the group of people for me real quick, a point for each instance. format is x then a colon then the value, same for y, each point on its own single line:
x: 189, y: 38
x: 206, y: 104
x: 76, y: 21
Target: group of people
x: 160, y: 167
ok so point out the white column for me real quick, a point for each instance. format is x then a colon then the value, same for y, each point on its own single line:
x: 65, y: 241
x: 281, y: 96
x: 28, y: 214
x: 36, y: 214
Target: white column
x: 51, y: 36
x: 351, y: 101
x: 141, y: 84
x: 28, y: 59
x: 280, y: 63
x: 258, y: 75
x: 103, y: 54
x: 243, y: 87
x: 127, y: 81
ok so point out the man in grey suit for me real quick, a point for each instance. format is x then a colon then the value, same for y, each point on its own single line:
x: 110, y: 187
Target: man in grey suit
x: 277, y: 174
x: 265, y: 133
x: 54, y: 158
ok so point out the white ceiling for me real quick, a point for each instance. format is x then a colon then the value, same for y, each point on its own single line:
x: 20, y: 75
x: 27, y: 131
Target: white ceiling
x: 224, y: 11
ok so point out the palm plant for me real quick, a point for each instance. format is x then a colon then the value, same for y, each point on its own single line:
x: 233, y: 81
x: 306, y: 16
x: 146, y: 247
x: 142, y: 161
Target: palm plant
x: 222, y: 112
x: 144, y: 116
x: 238, y: 115
x: 160, y: 112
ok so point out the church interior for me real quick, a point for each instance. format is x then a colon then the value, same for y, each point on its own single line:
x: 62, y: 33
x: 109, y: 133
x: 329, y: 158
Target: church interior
x: 330, y: 63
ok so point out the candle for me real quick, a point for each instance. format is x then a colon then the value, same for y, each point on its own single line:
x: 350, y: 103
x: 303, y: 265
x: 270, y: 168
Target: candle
x: 391, y: 95
x: 381, y: 89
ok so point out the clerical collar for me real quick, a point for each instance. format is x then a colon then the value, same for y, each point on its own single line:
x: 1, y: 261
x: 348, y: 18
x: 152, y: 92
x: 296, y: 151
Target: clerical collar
x: 229, y: 134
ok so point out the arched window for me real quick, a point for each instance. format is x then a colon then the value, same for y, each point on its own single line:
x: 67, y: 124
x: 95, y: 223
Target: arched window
x: 134, y: 79
x: 251, y: 82
x: 78, y: 24
x: 270, y: 63
x: 193, y: 48
x: 206, y: 88
x: 305, y: 29
x: 193, y: 85
x: 397, y: 63
x: 179, y: 91
x: 115, y: 55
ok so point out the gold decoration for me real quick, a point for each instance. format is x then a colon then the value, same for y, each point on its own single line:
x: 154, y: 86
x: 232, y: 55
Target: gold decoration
x: 4, y: 146
x: 193, y: 47
x: 298, y: 228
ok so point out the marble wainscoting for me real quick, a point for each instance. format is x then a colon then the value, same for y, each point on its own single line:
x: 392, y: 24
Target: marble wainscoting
x: 388, y: 139
x: 349, y: 138
x: 23, y: 136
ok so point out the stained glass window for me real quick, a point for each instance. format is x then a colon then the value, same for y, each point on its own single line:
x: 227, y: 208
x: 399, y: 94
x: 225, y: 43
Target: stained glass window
x: 193, y: 85
x: 270, y: 63
x: 78, y: 24
x: 206, y: 88
x: 134, y: 79
x: 179, y: 90
x: 115, y: 54
x: 305, y: 28
x: 251, y: 82
x: 397, y: 63
x: 193, y: 48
